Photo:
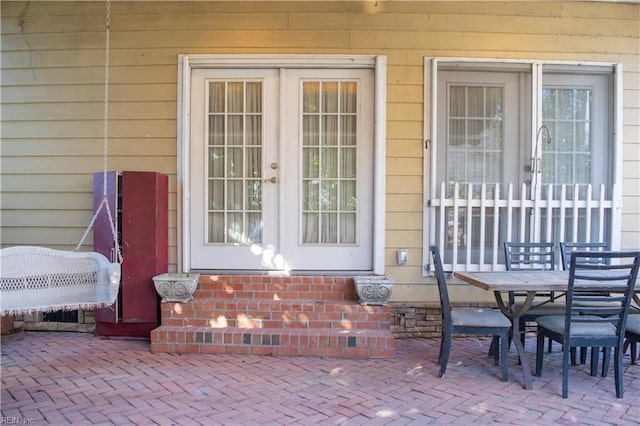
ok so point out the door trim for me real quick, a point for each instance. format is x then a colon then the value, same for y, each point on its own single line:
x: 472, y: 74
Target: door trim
x: 188, y: 62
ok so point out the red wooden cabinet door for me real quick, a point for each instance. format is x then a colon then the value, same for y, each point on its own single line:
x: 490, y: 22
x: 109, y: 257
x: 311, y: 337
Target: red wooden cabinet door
x: 145, y: 224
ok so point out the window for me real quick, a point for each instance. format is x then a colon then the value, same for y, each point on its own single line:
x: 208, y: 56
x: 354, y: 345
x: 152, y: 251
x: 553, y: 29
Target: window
x: 514, y: 142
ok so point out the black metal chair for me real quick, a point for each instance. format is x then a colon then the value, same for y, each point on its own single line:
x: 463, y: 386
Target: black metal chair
x: 469, y: 321
x: 532, y: 257
x: 583, y: 325
x: 566, y: 248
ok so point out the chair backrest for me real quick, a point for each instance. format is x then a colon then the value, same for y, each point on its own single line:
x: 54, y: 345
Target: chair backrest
x: 566, y: 248
x: 445, y: 305
x: 529, y: 256
x: 591, y: 283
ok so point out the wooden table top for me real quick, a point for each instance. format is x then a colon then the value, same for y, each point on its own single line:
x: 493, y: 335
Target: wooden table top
x: 516, y: 280
x: 520, y: 280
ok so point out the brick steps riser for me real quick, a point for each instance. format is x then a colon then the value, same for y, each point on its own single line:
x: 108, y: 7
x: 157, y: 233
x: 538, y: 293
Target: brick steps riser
x: 274, y: 295
x: 260, y: 287
x: 278, y: 316
x: 275, y: 314
x: 275, y: 342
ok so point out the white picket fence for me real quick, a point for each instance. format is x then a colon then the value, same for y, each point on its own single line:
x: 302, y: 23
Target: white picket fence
x: 461, y: 222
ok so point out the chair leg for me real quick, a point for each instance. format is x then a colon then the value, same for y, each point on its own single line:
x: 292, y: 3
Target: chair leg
x: 504, y: 346
x: 549, y: 344
x: 493, y: 349
x: 495, y: 343
x: 583, y: 355
x: 444, y: 353
x: 617, y: 364
x: 565, y: 371
x: 594, y: 361
x: 522, y: 325
x: 634, y: 352
x: 606, y: 356
x: 539, y: 353
x: 441, y: 348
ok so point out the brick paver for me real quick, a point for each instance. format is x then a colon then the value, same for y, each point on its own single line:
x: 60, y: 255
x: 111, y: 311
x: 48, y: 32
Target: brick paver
x: 76, y: 378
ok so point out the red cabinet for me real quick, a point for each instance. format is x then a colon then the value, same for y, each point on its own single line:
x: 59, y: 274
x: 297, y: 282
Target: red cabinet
x: 139, y: 207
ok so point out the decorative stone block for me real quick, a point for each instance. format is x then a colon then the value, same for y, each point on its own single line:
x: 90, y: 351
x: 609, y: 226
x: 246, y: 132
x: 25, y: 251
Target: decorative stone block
x: 176, y: 287
x: 373, y: 290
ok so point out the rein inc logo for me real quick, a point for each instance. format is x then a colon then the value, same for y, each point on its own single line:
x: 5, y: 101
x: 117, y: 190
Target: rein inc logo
x: 16, y: 421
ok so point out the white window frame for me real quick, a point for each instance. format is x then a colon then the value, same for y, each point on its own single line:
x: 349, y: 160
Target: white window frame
x: 186, y: 63
x: 430, y: 132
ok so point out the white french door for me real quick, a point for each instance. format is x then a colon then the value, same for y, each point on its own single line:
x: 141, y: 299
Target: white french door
x: 280, y: 169
x: 328, y: 201
x: 233, y: 136
x: 543, y: 128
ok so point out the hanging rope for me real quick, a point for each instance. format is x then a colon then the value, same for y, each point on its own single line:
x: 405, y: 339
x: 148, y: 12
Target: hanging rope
x: 105, y: 147
x: 105, y: 116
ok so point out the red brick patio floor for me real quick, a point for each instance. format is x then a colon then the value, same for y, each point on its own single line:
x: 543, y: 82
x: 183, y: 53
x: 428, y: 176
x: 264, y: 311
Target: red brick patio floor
x: 77, y: 378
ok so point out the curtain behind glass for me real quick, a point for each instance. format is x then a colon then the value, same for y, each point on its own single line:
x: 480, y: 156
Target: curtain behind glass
x: 476, y: 134
x: 235, y: 162
x: 567, y: 115
x: 329, y: 159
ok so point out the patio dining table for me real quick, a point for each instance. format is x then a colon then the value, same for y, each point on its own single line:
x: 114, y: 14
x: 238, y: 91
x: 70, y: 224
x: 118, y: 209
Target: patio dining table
x: 529, y: 282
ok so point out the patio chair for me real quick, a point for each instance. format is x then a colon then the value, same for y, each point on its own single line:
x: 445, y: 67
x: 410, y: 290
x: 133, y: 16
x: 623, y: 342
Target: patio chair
x: 566, y: 248
x: 469, y: 321
x: 584, y: 326
x: 632, y: 334
x: 532, y: 257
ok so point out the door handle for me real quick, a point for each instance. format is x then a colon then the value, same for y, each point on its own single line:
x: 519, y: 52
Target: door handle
x: 273, y: 179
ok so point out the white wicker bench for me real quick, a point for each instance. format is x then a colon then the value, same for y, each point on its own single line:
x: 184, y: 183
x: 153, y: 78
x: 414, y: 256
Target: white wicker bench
x: 38, y: 279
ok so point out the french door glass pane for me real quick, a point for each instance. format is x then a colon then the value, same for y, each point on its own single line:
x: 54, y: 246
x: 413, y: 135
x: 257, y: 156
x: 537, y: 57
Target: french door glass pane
x: 566, y: 113
x: 310, y: 130
x: 348, y: 97
x: 234, y: 168
x: 216, y: 130
x: 329, y: 158
x: 475, y: 134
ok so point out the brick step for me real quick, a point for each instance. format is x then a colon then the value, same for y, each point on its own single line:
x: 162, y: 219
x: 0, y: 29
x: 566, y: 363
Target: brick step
x: 360, y: 343
x: 276, y: 287
x: 251, y: 313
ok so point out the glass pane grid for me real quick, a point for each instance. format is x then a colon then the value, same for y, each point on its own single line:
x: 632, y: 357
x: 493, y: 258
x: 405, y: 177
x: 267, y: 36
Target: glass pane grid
x: 329, y: 153
x: 567, y: 115
x: 475, y: 134
x: 234, y: 168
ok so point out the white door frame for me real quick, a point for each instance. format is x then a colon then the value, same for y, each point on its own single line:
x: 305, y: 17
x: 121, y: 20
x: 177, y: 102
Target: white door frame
x: 188, y: 62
